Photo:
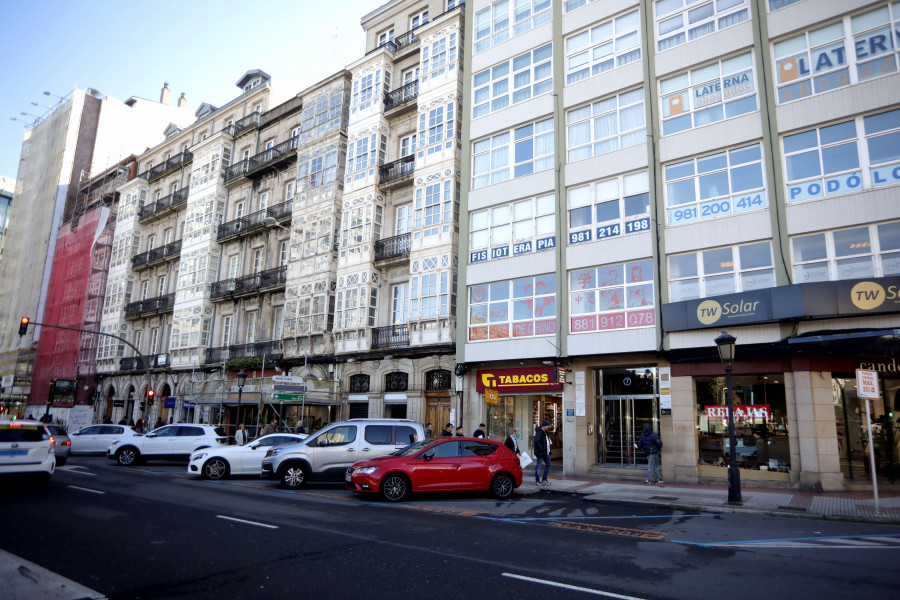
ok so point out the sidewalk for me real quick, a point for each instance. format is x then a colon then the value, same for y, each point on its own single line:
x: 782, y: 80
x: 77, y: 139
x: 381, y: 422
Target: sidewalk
x: 24, y: 580
x: 843, y: 506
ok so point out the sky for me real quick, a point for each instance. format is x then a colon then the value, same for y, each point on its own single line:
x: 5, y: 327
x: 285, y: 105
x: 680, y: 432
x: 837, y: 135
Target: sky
x: 200, y: 47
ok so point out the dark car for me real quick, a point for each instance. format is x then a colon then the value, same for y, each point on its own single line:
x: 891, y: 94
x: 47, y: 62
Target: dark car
x: 439, y: 465
x: 63, y: 443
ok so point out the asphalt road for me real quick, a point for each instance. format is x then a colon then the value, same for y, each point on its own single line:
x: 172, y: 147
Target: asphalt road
x: 154, y: 532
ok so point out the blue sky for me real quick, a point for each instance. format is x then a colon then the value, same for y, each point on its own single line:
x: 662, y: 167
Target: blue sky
x: 200, y: 47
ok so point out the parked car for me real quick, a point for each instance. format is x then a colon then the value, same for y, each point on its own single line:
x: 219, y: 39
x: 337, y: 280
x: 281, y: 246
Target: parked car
x: 95, y: 439
x: 27, y: 448
x: 326, y: 455
x: 439, y: 465
x: 222, y: 461
x: 63, y: 443
x: 169, y: 442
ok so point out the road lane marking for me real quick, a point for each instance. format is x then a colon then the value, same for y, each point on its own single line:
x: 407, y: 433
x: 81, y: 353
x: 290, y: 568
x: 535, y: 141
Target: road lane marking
x: 75, y: 487
x: 566, y: 586
x: 267, y: 526
x: 75, y: 469
x: 888, y: 540
x: 593, y: 517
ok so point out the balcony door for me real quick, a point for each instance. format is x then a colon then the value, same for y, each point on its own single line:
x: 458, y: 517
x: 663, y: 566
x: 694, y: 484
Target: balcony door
x: 400, y: 304
x: 251, y: 327
x: 403, y: 223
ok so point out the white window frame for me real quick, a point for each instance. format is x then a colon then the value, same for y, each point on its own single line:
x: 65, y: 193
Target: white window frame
x: 154, y: 340
x: 520, y: 227
x: 611, y: 297
x: 252, y: 316
x: 603, y: 47
x: 587, y: 119
x: 881, y: 248
x: 522, y: 78
x: 497, y: 154
x: 226, y: 331
x: 500, y: 310
x: 622, y: 192
x: 758, y: 276
x: 703, y: 19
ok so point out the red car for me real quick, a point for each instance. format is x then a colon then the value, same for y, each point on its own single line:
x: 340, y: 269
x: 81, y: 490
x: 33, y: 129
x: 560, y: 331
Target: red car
x: 439, y: 465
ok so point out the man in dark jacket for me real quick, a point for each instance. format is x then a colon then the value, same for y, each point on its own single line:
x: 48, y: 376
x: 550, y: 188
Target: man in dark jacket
x: 541, y: 452
x: 650, y: 444
x: 448, y: 430
x: 512, y: 443
x: 479, y: 433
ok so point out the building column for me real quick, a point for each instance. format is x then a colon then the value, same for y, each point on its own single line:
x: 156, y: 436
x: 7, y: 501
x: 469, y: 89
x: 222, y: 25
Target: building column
x: 679, y: 432
x: 814, y: 451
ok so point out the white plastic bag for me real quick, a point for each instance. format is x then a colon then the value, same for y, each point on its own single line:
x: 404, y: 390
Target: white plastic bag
x: 524, y: 459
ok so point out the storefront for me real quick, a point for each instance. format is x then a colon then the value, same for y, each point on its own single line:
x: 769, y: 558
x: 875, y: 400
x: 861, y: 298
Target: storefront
x: 629, y: 398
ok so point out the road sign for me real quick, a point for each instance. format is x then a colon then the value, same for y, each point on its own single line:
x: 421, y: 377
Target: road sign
x: 296, y: 397
x: 286, y: 379
x: 294, y: 389
x: 491, y: 396
x: 867, y: 384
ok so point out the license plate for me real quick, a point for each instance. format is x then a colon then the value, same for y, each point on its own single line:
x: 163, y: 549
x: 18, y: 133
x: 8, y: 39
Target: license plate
x: 13, y: 452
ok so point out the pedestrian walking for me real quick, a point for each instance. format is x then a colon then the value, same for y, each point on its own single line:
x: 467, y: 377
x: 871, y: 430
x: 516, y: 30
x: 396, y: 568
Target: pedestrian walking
x: 542, y: 452
x: 448, y: 430
x: 512, y: 442
x: 479, y: 433
x: 429, y: 431
x: 651, y: 445
x: 270, y: 427
x: 240, y: 436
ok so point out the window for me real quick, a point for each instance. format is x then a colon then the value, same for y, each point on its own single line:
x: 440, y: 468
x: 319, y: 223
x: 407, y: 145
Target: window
x: 526, y: 76
x: 385, y: 36
x: 679, y: 21
x: 507, y: 230
x: 436, y: 129
x: 226, y: 331
x: 519, y: 308
x: 361, y: 157
x: 439, y: 57
x: 854, y: 253
x: 492, y: 24
x: 410, y: 75
x: 570, y: 5
x: 605, y: 126
x: 289, y: 191
x: 776, y: 4
x: 831, y: 160
x: 251, y: 327
x: 619, y: 296
x: 263, y: 200
x: 283, y: 254
x: 258, y: 261
x: 715, y: 185
x: 202, y: 218
x: 400, y: 304
x: 616, y: 206
x: 145, y: 286
x: 167, y: 236
x: 233, y: 267
x: 311, y: 314
x: 161, y: 286
x: 533, y: 146
x: 380, y: 435
x: 151, y: 242
x: 196, y: 269
x: 418, y: 20
x: 321, y: 167
x: 350, y: 313
x: 403, y: 223
x: 189, y: 331
x: 408, y: 145
x: 603, y: 47
x: 432, y: 291
x: 277, y: 321
x: 366, y: 90
x: 154, y: 340
x: 711, y: 93
x: 138, y: 338
x: 336, y: 436
x: 721, y: 271
x: 239, y: 210
x: 435, y: 204
x: 360, y: 225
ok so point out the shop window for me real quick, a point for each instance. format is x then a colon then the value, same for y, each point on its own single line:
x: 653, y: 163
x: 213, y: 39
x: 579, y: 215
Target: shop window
x: 760, y: 422
x: 359, y: 384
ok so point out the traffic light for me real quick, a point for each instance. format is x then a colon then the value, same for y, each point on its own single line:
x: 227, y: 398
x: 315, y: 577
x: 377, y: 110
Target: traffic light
x: 23, y: 326
x: 151, y: 394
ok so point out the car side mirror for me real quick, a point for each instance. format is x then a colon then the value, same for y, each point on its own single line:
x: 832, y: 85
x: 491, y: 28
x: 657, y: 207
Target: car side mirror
x: 151, y: 434
x: 323, y: 442
x: 75, y: 433
x: 428, y: 455
x: 254, y: 445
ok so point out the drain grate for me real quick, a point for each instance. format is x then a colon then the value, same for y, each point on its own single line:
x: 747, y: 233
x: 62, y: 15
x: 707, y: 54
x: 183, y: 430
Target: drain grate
x: 792, y: 508
x: 664, y: 497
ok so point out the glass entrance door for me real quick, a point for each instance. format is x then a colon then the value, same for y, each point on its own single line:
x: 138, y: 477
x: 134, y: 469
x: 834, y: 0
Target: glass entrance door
x: 622, y: 419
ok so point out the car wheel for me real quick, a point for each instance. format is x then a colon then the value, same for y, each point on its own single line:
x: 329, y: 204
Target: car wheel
x: 215, y: 468
x: 294, y: 476
x: 127, y: 456
x: 502, y: 485
x: 394, y: 487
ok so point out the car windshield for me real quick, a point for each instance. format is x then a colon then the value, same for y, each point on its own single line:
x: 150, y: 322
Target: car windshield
x: 414, y: 448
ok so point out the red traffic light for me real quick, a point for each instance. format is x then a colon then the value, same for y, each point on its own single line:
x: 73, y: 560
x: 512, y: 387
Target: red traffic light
x: 23, y: 326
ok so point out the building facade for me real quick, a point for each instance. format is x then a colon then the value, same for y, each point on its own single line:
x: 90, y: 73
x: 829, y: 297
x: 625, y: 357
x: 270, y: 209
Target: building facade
x: 641, y: 174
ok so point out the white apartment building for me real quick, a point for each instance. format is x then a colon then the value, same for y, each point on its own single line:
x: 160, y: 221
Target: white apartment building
x: 641, y: 174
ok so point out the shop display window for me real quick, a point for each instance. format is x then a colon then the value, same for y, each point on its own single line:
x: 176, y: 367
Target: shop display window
x: 761, y: 425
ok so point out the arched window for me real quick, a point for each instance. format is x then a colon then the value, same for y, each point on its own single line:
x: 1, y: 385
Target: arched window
x: 437, y: 380
x: 396, y: 382
x: 359, y: 384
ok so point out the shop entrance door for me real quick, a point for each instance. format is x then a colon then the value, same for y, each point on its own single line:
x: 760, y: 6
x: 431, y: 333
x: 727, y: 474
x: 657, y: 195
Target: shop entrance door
x: 622, y: 420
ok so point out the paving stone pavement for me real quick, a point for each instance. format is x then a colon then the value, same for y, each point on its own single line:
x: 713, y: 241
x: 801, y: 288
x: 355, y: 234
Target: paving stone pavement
x: 845, y: 506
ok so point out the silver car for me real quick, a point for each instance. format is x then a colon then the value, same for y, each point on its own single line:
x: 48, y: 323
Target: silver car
x: 63, y: 443
x: 325, y: 455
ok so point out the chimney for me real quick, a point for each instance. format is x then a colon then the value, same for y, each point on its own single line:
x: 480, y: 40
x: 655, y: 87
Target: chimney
x: 164, y: 94
x: 182, y: 102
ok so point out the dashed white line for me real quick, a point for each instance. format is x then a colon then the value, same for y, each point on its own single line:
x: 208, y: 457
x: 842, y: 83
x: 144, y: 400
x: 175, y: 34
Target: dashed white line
x: 247, y: 522
x: 75, y: 487
x: 75, y: 469
x: 571, y: 587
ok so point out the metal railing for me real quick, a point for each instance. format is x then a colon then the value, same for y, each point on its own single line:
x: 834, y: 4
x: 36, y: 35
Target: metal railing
x: 163, y: 204
x: 166, y: 252
x: 392, y: 246
x: 397, y: 169
x: 270, y: 155
x: 255, y: 282
x: 253, y: 220
x: 407, y: 39
x: 134, y: 363
x: 393, y: 336
x: 150, y: 305
x: 271, y: 350
x: 251, y: 120
x: 401, y: 96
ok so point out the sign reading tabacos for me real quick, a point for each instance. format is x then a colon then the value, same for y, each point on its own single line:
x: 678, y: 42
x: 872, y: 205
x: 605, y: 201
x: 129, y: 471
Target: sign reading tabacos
x: 538, y: 379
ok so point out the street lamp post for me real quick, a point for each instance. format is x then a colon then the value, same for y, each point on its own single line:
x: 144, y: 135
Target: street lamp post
x: 725, y: 344
x: 241, y: 380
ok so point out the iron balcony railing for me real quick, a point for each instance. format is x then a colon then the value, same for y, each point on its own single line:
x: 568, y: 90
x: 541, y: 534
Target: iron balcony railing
x: 147, y: 211
x: 285, y: 149
x: 251, y: 120
x: 397, y: 169
x: 238, y: 169
x: 134, y: 363
x: 167, y: 252
x: 393, y: 336
x: 169, y: 164
x: 393, y: 246
x: 401, y: 96
x: 156, y: 305
x: 253, y: 283
x: 407, y: 39
x: 253, y: 221
x: 270, y: 350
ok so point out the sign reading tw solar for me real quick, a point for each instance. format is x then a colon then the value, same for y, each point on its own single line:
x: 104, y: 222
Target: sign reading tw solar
x: 526, y: 379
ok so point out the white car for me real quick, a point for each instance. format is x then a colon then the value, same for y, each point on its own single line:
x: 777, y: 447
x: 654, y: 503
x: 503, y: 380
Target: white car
x: 169, y: 442
x: 27, y: 448
x: 222, y: 461
x: 95, y: 439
